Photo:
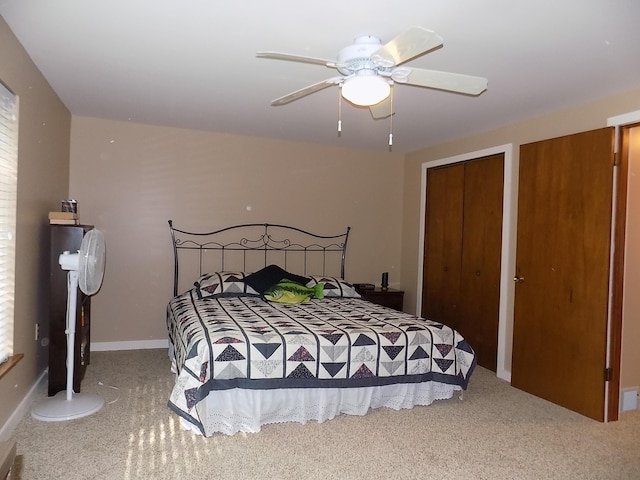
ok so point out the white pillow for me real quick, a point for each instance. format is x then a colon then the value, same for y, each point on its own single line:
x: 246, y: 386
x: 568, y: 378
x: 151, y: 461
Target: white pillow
x: 334, y: 287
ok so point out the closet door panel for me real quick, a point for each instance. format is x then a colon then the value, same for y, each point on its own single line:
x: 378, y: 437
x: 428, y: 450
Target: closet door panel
x: 481, y: 251
x: 443, y: 238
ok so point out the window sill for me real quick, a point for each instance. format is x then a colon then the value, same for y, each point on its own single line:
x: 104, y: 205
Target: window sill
x: 9, y: 364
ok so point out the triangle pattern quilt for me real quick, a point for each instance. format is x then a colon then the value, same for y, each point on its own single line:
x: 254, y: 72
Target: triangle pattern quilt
x: 244, y: 341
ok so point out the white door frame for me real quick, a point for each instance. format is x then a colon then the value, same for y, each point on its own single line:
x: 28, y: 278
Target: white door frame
x: 617, y: 122
x: 507, y: 258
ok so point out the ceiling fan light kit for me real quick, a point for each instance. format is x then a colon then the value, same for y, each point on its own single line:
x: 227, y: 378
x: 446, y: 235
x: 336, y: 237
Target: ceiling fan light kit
x: 369, y: 68
x: 365, y: 90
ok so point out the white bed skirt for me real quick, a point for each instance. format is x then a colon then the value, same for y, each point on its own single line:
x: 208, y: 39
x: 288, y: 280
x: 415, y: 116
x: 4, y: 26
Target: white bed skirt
x: 239, y: 410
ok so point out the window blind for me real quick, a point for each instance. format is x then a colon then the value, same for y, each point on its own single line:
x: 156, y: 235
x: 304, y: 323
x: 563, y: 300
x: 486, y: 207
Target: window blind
x: 8, y: 194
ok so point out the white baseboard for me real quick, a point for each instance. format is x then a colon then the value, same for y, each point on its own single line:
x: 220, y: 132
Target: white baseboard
x: 129, y: 345
x: 504, y: 374
x: 25, y: 405
x: 23, y: 408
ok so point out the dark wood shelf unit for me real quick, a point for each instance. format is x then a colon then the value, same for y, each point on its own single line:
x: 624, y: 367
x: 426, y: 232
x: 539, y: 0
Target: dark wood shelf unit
x: 66, y: 238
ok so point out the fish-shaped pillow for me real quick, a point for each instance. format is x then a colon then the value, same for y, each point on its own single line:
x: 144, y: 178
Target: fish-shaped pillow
x: 286, y: 291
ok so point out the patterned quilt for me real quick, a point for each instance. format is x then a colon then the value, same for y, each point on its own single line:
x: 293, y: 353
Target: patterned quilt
x: 247, y: 342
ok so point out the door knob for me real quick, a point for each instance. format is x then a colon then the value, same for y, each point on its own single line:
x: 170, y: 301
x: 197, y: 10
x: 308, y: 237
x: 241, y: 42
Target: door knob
x: 518, y: 279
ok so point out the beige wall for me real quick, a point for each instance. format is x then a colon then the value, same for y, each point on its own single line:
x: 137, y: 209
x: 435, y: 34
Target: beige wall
x: 584, y: 117
x: 43, y: 176
x: 129, y: 179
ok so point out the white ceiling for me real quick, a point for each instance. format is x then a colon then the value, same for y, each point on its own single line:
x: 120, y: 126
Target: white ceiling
x: 192, y: 63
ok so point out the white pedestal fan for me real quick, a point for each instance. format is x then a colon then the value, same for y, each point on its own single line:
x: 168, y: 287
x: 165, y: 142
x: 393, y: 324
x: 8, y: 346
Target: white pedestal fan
x: 86, y: 270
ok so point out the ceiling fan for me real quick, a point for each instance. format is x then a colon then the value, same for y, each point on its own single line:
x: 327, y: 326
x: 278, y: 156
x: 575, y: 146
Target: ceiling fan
x: 368, y: 69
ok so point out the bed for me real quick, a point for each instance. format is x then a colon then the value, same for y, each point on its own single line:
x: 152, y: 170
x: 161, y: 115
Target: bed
x: 242, y: 361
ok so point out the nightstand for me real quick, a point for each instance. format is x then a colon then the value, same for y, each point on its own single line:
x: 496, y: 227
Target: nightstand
x: 388, y: 297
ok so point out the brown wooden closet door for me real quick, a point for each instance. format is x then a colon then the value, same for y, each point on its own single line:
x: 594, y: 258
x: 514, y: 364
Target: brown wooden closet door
x: 443, y: 244
x: 463, y: 227
x: 481, y: 251
x: 564, y: 220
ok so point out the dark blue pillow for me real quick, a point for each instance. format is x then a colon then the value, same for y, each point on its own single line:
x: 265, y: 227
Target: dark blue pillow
x: 263, y: 279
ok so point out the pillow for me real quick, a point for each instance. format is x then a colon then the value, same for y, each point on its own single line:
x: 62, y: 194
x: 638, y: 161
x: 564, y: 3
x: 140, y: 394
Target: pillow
x: 261, y: 280
x: 289, y: 292
x: 220, y: 284
x: 334, y: 287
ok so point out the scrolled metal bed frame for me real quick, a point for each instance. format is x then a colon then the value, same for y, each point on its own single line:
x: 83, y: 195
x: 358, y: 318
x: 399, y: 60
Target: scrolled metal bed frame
x: 257, y: 237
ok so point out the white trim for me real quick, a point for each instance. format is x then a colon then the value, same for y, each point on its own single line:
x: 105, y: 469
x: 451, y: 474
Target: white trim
x: 129, y: 345
x: 612, y: 254
x: 22, y: 409
x: 619, y: 121
x: 624, y: 119
x: 507, y: 258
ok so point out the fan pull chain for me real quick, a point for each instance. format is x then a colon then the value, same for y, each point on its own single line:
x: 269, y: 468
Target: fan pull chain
x: 340, y: 111
x: 391, y: 119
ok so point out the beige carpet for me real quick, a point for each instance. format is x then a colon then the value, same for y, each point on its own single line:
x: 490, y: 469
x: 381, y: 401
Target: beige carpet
x: 496, y: 432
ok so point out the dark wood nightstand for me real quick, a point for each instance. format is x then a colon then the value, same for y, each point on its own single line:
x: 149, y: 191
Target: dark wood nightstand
x: 388, y: 297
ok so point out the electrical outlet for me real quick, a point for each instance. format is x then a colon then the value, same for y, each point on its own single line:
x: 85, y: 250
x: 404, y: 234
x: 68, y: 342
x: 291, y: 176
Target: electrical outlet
x: 37, y: 332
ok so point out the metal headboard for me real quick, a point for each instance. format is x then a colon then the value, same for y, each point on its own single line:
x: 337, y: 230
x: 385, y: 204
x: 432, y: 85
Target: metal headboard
x: 259, y: 242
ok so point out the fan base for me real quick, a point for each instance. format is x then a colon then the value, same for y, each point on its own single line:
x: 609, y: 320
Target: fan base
x: 58, y: 408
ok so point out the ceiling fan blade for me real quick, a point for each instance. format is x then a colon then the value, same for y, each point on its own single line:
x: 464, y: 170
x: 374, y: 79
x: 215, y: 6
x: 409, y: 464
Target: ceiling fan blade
x: 381, y: 110
x: 296, y: 58
x: 409, y: 44
x: 452, y: 82
x: 303, y: 92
